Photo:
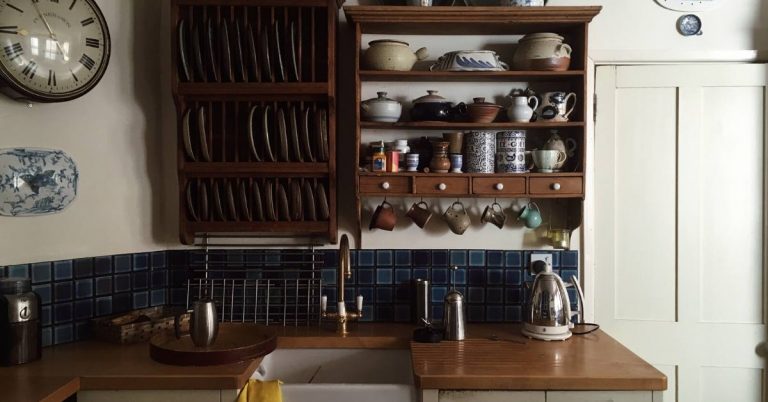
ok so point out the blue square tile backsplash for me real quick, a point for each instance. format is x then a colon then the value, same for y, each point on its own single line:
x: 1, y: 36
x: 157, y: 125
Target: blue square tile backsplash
x: 73, y: 292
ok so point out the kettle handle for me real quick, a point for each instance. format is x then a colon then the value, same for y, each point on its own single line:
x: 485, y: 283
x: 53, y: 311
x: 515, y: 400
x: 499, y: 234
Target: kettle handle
x: 580, y: 298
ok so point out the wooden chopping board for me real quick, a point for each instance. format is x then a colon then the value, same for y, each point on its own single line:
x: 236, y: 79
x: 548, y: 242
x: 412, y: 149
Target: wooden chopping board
x: 234, y: 343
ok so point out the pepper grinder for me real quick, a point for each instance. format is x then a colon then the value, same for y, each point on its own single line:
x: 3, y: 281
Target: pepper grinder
x: 453, y: 312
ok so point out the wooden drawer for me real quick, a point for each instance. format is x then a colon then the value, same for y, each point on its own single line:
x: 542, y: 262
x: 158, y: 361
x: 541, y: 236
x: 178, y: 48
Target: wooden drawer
x: 384, y: 184
x: 439, y: 185
x: 500, y: 186
x: 554, y: 186
x: 599, y: 396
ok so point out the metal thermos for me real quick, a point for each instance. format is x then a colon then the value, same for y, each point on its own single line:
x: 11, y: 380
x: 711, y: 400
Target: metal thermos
x: 421, y: 301
x: 453, y: 316
x: 20, y: 331
x: 203, y: 323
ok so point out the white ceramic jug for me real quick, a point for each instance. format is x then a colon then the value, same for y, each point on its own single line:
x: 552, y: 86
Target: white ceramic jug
x: 521, y: 110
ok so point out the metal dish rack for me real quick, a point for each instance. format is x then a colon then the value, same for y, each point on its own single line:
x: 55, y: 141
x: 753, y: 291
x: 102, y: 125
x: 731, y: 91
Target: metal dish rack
x: 262, y: 286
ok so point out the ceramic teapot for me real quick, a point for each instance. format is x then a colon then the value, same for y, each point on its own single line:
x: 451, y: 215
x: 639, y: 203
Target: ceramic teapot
x: 381, y: 109
x: 393, y: 55
x: 556, y: 143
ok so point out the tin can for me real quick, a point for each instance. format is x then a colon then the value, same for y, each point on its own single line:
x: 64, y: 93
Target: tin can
x: 393, y: 161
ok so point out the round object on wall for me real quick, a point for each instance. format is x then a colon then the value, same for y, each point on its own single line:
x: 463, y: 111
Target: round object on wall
x: 689, y: 25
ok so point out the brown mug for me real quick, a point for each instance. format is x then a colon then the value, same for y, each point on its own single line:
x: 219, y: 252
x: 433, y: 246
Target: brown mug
x: 494, y: 214
x: 420, y: 214
x: 384, y: 217
x: 457, y: 218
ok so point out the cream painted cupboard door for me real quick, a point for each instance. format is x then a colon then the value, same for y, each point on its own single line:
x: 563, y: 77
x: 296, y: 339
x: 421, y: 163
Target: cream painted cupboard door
x: 679, y: 223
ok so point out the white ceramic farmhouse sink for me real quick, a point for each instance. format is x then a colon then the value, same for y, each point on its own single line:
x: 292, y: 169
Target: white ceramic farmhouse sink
x: 341, y: 375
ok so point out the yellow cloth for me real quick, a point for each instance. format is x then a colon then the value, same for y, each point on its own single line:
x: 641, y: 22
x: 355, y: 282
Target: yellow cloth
x: 261, y: 391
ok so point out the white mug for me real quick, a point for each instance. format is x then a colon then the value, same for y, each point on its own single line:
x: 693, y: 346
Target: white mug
x: 546, y: 160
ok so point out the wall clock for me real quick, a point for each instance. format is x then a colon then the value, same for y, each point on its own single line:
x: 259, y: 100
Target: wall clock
x: 52, y: 50
x: 688, y: 5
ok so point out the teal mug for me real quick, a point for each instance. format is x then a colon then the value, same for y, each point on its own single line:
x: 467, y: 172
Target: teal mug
x: 530, y: 215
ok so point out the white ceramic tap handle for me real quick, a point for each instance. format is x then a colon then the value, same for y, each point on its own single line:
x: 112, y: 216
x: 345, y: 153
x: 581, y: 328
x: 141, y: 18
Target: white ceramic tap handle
x: 359, y: 302
x: 499, y: 186
x: 442, y: 186
x: 556, y: 186
x: 341, y: 309
x: 385, y: 185
x: 323, y: 303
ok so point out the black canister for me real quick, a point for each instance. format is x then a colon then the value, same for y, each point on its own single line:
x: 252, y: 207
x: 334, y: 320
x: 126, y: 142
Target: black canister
x: 20, y: 331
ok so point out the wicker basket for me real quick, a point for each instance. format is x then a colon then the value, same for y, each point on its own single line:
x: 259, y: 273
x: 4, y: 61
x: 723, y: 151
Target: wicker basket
x: 137, y: 325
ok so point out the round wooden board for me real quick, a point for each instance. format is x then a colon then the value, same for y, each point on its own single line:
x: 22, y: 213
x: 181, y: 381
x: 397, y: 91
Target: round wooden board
x: 235, y: 343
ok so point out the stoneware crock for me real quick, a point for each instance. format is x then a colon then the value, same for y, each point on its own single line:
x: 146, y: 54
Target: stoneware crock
x: 381, y: 109
x: 542, y: 52
x: 392, y: 55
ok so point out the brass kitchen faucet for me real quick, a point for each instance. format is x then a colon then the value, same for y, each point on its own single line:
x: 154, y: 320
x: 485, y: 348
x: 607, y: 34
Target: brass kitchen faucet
x: 341, y: 316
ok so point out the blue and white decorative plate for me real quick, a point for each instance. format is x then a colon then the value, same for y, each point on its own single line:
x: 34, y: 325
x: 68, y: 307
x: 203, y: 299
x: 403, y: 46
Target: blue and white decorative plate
x: 36, y: 181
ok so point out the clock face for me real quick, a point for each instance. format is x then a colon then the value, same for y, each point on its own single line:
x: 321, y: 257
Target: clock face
x: 52, y: 50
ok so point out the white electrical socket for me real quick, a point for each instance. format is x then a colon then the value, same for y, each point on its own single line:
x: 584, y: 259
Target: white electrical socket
x: 546, y: 257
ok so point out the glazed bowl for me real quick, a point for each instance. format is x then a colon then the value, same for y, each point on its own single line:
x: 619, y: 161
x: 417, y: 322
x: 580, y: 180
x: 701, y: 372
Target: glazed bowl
x: 381, y: 109
x: 469, y: 60
x: 482, y: 112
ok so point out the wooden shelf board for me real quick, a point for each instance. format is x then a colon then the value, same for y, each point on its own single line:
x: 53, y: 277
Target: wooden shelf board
x: 467, y: 20
x: 438, y: 125
x: 291, y: 228
x: 261, y: 3
x: 470, y: 76
x: 295, y: 89
x: 221, y: 169
x: 472, y: 175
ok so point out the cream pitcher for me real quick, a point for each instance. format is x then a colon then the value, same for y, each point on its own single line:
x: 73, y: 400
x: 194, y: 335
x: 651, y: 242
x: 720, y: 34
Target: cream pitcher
x: 521, y: 110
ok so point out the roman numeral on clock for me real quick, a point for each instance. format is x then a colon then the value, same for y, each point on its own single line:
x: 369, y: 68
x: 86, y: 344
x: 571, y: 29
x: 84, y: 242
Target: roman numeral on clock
x: 30, y: 69
x: 87, y: 62
x: 13, y: 30
x: 71, y: 6
x: 51, y: 78
x: 90, y: 42
x: 13, y: 51
x: 14, y: 7
x: 87, y: 21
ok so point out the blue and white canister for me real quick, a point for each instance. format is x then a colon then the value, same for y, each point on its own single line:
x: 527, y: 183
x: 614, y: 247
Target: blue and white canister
x: 479, y: 152
x: 510, y: 152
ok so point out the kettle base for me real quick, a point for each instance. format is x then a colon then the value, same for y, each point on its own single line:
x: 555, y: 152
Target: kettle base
x: 541, y: 333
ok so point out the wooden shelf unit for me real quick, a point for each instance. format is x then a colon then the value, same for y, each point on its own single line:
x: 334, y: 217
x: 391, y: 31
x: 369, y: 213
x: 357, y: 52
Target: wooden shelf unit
x: 570, y: 22
x: 229, y: 104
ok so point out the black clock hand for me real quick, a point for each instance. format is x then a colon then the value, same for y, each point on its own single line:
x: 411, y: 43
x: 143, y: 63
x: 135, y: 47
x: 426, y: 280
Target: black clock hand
x: 50, y: 31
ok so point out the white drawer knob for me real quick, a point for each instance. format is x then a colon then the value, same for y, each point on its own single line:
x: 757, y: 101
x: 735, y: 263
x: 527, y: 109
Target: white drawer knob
x: 442, y: 186
x: 385, y: 185
x: 556, y: 186
x: 499, y: 186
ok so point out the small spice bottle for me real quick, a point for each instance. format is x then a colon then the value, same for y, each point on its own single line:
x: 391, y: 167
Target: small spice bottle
x: 379, y: 160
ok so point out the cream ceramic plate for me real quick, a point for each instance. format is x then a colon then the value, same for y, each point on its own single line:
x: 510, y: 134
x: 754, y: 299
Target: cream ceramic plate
x: 191, y: 204
x: 244, y: 200
x: 310, y: 213
x: 293, y: 46
x: 266, y: 63
x: 183, y: 61
x: 297, y: 213
x: 282, y: 203
x: 295, y: 147
x: 322, y: 202
x: 253, y: 54
x: 211, y: 36
x: 227, y: 73
x: 217, y: 202
x: 282, y: 131
x: 278, y: 52
x: 269, y: 201
x: 231, y: 203
x: 203, y: 197
x: 258, y: 210
x: 266, y: 126
x: 202, y: 133
x: 242, y: 70
x: 186, y: 133
x: 306, y: 143
x: 198, y: 55
x: 251, y: 134
x: 324, y: 134
x: 320, y: 134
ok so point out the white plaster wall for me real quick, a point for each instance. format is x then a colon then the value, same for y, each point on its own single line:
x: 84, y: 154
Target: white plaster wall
x: 115, y: 134
x: 122, y: 133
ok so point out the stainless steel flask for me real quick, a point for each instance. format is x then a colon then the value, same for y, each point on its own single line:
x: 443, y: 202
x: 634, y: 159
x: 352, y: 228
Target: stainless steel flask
x: 20, y: 331
x: 203, y: 323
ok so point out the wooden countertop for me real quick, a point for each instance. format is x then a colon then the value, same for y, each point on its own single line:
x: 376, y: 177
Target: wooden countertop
x: 590, y: 362
x: 587, y: 362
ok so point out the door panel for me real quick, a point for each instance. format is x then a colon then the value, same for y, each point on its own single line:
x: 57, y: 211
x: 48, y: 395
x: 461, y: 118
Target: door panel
x: 679, y: 222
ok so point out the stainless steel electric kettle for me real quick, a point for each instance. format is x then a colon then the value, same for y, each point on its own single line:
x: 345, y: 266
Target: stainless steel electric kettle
x: 548, y: 316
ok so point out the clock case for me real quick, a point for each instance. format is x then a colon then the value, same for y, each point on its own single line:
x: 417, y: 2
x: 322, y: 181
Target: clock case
x: 15, y: 90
